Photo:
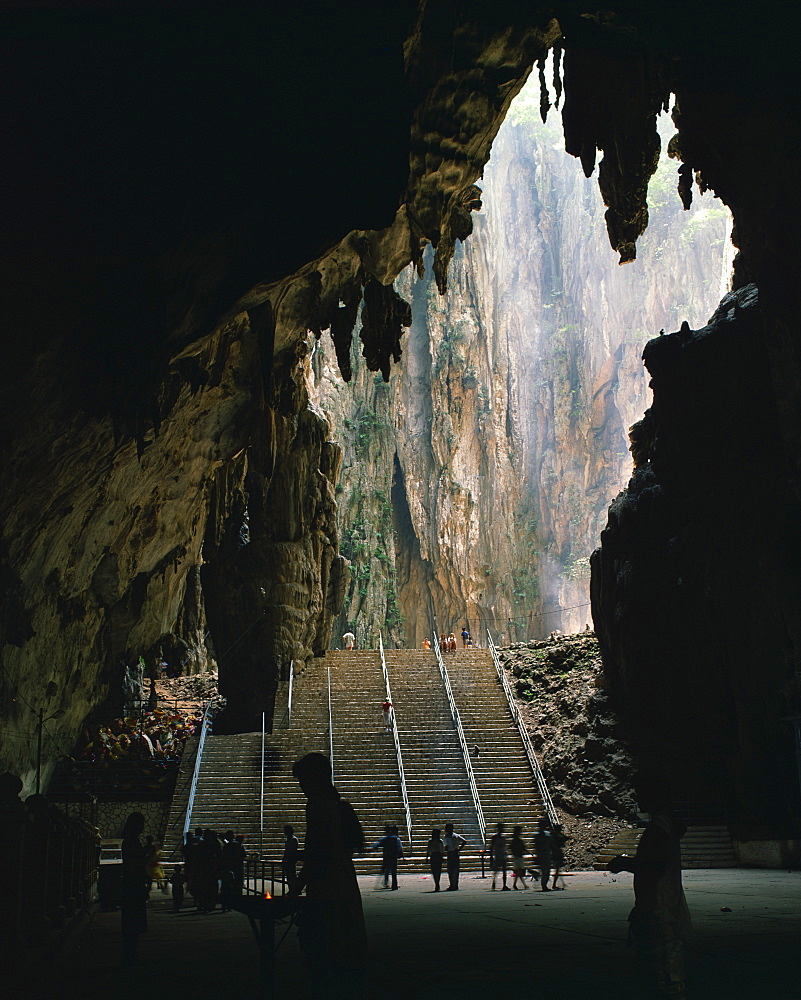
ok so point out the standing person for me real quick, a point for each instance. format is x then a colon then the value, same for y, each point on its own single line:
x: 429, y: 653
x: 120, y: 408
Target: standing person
x: 519, y: 851
x: 155, y: 869
x: 289, y: 859
x: 189, y: 852
x: 207, y: 871
x: 435, y: 853
x: 391, y: 852
x: 660, y: 921
x: 331, y: 928
x: 134, y: 888
x: 349, y: 640
x: 465, y: 637
x: 499, y: 857
x: 454, y: 842
x: 558, y: 855
x: 543, y: 845
x: 233, y: 856
x: 386, y: 712
x: 177, y: 881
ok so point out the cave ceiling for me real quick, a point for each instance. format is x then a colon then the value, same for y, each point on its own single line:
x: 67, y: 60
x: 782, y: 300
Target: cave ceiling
x: 187, y: 194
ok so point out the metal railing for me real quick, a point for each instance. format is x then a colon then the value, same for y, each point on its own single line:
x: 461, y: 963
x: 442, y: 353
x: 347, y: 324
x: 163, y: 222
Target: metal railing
x: 261, y: 792
x: 404, y: 792
x: 258, y: 873
x: 330, y: 728
x: 534, y: 763
x: 286, y: 719
x: 205, y: 725
x: 482, y: 826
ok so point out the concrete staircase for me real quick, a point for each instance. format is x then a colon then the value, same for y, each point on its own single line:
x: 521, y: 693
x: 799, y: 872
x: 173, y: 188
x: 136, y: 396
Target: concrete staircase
x: 708, y: 847
x: 701, y: 847
x: 436, y: 778
x: 624, y: 843
x: 365, y: 762
x: 229, y: 783
x: 506, y: 787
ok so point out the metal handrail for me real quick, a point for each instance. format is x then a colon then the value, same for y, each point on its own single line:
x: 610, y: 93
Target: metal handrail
x: 204, y: 728
x: 261, y: 793
x: 330, y: 728
x: 286, y: 719
x: 482, y: 826
x: 545, y: 795
x: 404, y: 792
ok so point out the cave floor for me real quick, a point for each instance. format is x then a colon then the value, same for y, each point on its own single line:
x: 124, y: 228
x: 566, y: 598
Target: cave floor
x: 476, y: 943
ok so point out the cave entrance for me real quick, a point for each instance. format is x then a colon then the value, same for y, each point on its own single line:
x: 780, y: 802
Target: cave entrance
x: 476, y: 483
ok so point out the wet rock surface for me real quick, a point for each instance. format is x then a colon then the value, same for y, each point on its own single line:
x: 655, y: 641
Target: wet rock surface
x: 579, y: 739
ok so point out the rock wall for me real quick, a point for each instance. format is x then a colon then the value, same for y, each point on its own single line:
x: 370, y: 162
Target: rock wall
x: 504, y: 426
x: 695, y: 502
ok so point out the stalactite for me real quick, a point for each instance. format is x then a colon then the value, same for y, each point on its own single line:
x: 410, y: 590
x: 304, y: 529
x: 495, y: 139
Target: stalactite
x: 557, y: 75
x: 545, y: 100
x: 384, y: 315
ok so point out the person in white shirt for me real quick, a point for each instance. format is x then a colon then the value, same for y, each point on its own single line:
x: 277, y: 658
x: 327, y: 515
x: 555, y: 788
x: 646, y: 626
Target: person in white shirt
x: 454, y: 842
x: 349, y: 640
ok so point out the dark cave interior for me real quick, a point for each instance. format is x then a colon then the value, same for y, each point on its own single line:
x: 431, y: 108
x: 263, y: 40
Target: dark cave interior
x: 188, y: 193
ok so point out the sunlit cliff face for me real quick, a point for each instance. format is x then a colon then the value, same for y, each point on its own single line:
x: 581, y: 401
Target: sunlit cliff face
x: 475, y: 484
x: 181, y: 214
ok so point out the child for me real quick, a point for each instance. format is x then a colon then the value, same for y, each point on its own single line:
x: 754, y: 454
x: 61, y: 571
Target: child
x: 177, y: 882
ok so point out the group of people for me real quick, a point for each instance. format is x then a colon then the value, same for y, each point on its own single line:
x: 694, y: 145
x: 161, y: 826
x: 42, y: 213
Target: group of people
x: 447, y: 643
x: 511, y: 853
x: 445, y: 850
x: 213, y: 870
x: 331, y: 925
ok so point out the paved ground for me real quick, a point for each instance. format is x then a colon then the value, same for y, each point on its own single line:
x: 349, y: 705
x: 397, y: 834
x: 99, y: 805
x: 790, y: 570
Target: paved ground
x: 475, y: 943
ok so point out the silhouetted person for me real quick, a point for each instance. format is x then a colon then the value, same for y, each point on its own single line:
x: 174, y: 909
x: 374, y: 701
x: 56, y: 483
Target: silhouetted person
x: 558, y: 854
x: 391, y: 852
x: 177, y: 880
x: 331, y: 926
x: 543, y: 846
x: 289, y: 859
x: 207, y: 871
x: 134, y: 888
x: 234, y: 858
x: 660, y: 921
x: 454, y: 842
x: 435, y: 854
x: 499, y: 857
x: 519, y: 850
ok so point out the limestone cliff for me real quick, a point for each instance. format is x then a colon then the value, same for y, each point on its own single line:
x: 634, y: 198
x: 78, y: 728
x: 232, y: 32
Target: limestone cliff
x: 511, y: 403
